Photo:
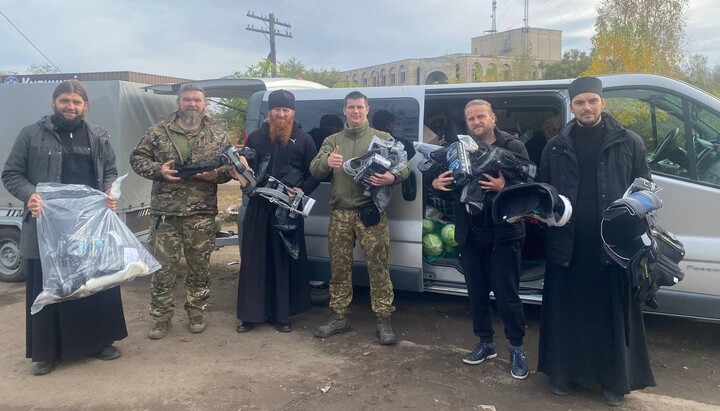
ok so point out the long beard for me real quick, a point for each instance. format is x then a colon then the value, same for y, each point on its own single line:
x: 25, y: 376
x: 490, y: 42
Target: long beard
x: 482, y: 137
x: 191, y: 118
x: 68, y: 124
x: 280, y: 131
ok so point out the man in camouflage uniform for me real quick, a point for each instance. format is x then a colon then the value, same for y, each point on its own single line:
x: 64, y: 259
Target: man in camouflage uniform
x: 348, y: 203
x: 184, y: 210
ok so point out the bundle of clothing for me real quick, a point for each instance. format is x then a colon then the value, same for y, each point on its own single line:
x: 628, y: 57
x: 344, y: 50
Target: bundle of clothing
x: 84, y: 246
x: 382, y: 156
x: 468, y: 160
x: 634, y: 240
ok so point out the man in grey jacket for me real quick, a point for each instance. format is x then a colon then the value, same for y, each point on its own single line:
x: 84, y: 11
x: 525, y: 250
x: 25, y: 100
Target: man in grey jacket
x: 63, y: 148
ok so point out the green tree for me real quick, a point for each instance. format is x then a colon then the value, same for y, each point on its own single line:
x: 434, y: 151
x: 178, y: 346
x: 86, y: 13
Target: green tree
x: 232, y: 111
x: 574, y: 63
x: 524, y: 65
x: 698, y: 73
x: 453, y: 71
x: 45, y: 68
x: 639, y: 36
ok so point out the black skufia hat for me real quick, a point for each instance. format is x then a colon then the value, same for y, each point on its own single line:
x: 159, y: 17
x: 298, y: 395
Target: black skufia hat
x: 585, y: 85
x: 281, y: 98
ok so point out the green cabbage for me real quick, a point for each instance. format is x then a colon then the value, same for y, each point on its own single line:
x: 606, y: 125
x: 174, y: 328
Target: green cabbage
x: 428, y: 226
x: 451, y: 251
x: 432, y: 245
x: 448, y: 235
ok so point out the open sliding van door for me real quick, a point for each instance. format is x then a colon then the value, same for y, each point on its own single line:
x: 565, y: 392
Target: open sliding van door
x: 521, y: 108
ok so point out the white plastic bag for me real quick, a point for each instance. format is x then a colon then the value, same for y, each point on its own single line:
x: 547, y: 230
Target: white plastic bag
x: 84, y: 246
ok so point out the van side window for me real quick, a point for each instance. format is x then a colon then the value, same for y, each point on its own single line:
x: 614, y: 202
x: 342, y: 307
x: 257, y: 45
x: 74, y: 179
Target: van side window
x: 406, y: 112
x: 658, y: 118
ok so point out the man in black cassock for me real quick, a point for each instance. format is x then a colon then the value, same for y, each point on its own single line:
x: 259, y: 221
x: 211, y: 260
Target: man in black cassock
x: 63, y: 147
x: 273, y: 285
x: 592, y: 332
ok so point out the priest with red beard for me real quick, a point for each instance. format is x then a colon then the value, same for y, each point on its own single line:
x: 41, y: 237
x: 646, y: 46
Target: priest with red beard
x: 274, y: 286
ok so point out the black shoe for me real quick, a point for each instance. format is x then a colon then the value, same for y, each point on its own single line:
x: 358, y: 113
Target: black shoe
x: 244, y: 327
x: 562, y: 390
x: 108, y: 353
x: 283, y: 327
x: 613, y: 399
x: 43, y: 367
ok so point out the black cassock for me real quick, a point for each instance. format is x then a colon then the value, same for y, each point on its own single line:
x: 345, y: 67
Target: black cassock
x: 591, y: 333
x: 73, y: 328
x: 70, y: 329
x: 272, y: 285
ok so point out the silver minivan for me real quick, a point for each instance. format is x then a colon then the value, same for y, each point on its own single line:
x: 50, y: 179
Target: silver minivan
x: 680, y: 125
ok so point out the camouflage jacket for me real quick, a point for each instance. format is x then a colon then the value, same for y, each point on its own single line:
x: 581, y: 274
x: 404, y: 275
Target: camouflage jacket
x: 185, y: 197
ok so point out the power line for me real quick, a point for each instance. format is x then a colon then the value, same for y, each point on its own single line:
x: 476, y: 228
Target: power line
x: 31, y: 43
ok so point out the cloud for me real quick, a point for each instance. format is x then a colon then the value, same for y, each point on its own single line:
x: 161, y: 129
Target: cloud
x: 193, y: 39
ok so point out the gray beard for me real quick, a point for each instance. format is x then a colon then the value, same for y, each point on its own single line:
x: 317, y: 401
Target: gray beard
x: 481, y: 138
x: 190, y: 119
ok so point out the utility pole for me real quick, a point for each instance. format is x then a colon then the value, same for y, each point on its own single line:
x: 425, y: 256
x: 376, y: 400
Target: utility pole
x: 271, y: 22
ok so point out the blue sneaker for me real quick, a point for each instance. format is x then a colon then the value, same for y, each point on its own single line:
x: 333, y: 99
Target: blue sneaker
x: 518, y: 363
x: 481, y: 352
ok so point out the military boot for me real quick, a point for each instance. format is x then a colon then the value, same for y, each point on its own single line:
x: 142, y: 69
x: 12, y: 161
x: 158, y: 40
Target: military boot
x: 160, y: 329
x: 337, y: 324
x: 197, y: 324
x: 384, y: 330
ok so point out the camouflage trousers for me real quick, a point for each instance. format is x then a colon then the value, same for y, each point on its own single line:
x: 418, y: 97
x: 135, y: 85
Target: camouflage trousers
x: 345, y: 228
x: 172, y: 235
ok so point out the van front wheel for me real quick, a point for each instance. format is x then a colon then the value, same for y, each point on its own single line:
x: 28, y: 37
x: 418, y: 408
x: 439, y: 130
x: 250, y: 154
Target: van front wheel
x: 12, y: 267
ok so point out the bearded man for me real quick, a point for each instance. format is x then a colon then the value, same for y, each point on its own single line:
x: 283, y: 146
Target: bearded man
x: 183, y: 210
x: 591, y: 332
x: 63, y: 148
x: 274, y: 286
x: 490, y: 253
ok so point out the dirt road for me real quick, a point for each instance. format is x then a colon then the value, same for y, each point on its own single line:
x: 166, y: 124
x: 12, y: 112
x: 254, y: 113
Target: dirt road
x: 266, y: 370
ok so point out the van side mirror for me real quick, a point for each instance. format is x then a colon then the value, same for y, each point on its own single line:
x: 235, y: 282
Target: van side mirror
x: 409, y: 187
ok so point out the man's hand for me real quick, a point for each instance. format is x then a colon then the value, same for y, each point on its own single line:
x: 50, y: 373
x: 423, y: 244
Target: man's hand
x: 211, y: 175
x: 237, y: 176
x: 335, y: 159
x: 168, y: 172
x: 110, y: 202
x: 293, y: 193
x: 34, y: 205
x: 442, y: 181
x: 493, y: 184
x: 384, y: 179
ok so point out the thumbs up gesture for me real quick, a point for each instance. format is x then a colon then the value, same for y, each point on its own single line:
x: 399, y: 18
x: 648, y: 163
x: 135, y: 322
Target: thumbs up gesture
x: 335, y: 159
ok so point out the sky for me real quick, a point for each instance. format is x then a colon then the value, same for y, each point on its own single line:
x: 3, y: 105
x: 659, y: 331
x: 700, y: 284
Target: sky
x: 208, y: 39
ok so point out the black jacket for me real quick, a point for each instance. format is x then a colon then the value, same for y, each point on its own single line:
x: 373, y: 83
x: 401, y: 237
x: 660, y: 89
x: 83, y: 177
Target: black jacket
x: 622, y: 158
x: 502, y: 231
x: 36, y: 157
x: 298, y: 153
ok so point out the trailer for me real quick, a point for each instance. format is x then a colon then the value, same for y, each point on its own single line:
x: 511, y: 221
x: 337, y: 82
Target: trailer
x: 123, y: 108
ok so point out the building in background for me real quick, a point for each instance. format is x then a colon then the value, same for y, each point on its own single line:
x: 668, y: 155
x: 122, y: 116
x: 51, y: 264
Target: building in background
x: 130, y: 76
x: 493, y: 57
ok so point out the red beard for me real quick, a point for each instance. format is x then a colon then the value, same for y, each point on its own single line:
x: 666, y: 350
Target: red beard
x: 280, y: 130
